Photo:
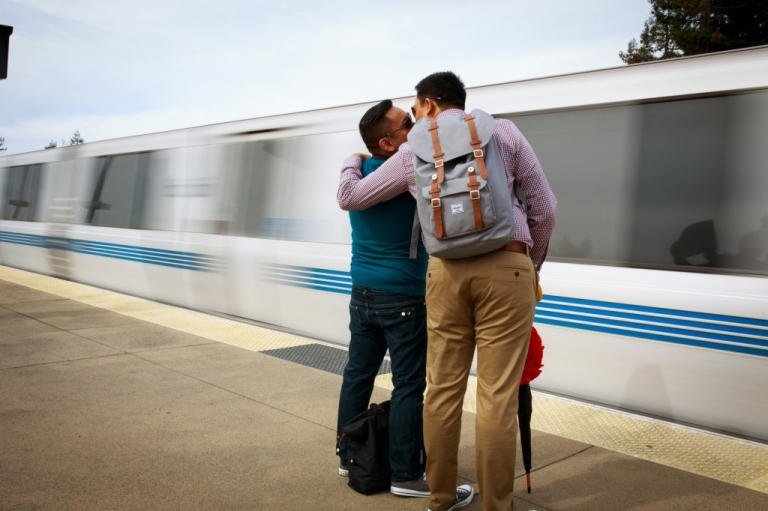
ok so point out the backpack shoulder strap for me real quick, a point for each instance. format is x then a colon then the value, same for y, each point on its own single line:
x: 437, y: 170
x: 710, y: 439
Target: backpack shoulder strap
x: 437, y: 178
x: 415, y: 233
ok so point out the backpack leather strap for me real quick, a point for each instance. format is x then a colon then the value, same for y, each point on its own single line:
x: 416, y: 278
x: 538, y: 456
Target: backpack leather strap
x: 474, y: 194
x: 438, y: 156
x: 475, y: 143
x: 437, y: 178
x: 473, y: 184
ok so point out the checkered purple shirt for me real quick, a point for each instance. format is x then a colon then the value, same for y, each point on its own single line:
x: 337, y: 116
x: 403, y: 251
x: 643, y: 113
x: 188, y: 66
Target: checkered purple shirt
x: 395, y: 176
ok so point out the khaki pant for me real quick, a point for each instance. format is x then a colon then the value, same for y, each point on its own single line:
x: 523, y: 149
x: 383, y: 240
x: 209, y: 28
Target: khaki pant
x: 486, y: 302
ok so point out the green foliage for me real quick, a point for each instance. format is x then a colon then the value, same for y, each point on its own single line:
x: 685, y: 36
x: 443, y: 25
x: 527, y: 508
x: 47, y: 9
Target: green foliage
x: 2, y: 144
x: 75, y: 139
x: 691, y: 27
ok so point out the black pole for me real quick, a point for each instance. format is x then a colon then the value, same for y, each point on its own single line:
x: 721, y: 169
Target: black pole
x: 5, y: 36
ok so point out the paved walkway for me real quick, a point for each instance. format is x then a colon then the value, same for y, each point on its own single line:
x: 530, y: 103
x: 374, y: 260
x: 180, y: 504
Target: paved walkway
x: 100, y: 410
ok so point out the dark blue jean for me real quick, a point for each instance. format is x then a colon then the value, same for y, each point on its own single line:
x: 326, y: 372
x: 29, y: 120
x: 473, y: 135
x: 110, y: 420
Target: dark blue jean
x: 380, y: 320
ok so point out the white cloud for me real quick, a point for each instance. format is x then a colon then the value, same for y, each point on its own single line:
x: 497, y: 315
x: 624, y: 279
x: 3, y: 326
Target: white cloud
x: 117, y: 68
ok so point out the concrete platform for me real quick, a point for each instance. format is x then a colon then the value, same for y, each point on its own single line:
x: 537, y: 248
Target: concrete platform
x: 101, y: 410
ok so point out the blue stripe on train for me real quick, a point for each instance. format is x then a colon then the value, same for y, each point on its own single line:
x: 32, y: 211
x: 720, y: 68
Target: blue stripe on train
x: 160, y: 257
x: 712, y: 331
x: 763, y: 352
x: 656, y: 310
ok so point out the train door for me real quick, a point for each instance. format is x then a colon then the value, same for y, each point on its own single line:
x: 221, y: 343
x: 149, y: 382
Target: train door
x: 104, y: 241
x: 3, y: 173
x: 60, y: 209
x: 186, y: 215
x: 292, y: 260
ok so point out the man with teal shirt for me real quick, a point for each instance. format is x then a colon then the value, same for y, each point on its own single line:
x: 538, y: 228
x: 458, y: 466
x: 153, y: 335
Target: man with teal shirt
x: 387, y: 309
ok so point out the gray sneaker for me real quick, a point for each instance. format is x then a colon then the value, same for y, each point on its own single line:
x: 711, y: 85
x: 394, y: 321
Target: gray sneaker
x: 415, y: 488
x: 464, y: 494
x: 343, y: 472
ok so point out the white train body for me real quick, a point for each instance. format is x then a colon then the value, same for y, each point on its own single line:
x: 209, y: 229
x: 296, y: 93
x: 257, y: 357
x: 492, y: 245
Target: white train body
x: 656, y: 290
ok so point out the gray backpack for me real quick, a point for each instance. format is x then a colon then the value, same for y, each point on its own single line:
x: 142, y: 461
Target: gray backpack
x: 464, y: 205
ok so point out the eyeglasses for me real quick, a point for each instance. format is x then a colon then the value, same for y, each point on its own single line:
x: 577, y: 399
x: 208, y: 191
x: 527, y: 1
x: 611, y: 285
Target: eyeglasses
x: 413, y: 108
x: 407, y: 123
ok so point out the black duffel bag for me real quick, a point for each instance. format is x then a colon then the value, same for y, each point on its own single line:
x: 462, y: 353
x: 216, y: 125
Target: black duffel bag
x: 368, y: 449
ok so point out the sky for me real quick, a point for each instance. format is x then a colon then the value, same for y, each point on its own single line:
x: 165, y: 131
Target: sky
x: 117, y: 68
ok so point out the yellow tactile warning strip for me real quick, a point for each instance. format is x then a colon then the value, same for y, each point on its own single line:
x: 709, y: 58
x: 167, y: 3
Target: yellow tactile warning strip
x: 726, y: 459
x: 218, y: 329
x: 723, y: 458
x: 719, y: 457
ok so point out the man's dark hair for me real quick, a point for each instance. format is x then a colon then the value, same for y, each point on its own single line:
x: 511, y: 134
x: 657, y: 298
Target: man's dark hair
x: 375, y: 124
x: 445, y: 88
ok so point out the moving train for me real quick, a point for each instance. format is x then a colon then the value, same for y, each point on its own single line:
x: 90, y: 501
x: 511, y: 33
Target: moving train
x: 656, y: 283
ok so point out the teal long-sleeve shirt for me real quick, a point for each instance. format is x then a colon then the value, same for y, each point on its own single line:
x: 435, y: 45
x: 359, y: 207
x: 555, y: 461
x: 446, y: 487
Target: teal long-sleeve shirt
x: 381, y: 243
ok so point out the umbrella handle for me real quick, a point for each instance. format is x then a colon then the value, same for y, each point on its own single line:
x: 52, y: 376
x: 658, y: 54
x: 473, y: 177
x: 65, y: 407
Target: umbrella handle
x: 528, y: 481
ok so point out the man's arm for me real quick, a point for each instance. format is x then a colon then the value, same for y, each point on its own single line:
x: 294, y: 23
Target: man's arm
x: 542, y: 203
x: 523, y: 167
x: 356, y: 192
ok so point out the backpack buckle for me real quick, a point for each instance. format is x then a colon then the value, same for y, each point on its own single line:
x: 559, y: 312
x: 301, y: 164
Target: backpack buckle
x: 435, y: 203
x: 474, y: 194
x: 478, y: 153
x: 438, y: 163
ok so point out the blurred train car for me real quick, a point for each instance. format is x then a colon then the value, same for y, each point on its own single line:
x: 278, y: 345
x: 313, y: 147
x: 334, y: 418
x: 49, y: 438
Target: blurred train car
x: 656, y: 282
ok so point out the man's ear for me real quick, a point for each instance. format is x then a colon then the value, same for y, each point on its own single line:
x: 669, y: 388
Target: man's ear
x: 386, y: 145
x: 432, y: 108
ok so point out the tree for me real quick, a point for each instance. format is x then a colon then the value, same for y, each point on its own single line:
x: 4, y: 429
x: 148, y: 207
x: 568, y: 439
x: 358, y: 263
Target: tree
x: 2, y: 144
x: 75, y: 139
x: 692, y: 27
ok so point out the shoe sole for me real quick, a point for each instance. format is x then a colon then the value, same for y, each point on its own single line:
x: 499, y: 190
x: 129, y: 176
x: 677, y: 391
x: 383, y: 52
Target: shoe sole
x: 343, y: 473
x: 404, y: 492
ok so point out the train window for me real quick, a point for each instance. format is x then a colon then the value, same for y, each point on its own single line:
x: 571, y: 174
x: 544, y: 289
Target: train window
x: 116, y: 198
x: 676, y: 184
x: 585, y: 156
x: 287, y: 194
x: 189, y: 189
x: 20, y: 196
